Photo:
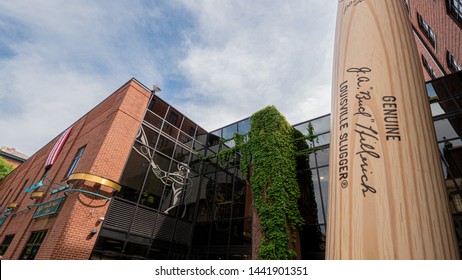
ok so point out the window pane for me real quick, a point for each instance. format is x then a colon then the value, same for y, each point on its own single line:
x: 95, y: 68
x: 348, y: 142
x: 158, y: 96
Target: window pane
x: 152, y: 191
x: 317, y: 195
x: 323, y: 177
x: 159, y: 107
x: 170, y: 130
x: 181, y: 154
x: 229, y: 131
x: 133, y: 175
x: 322, y: 157
x: 150, y: 136
x: 153, y: 120
x: 165, y: 146
x: 323, y: 139
x: 244, y: 126
x: 239, y: 199
x: 448, y: 128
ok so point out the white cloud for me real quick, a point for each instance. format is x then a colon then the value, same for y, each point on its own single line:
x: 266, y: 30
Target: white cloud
x: 66, y: 59
x: 245, y: 55
x: 216, y: 61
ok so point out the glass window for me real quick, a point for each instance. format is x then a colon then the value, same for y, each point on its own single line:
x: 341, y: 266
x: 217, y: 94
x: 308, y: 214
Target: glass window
x: 152, y: 103
x: 317, y: 195
x: 452, y: 63
x: 153, y: 119
x: 436, y: 109
x: 321, y: 125
x: 455, y: 9
x: 201, y: 135
x: 229, y: 131
x: 33, y: 245
x: 243, y: 126
x: 152, y: 191
x: 323, y: 180
x: 181, y: 154
x: 134, y: 173
x: 151, y: 136
x: 165, y: 146
x: 170, y: 130
x: 322, y: 157
x: 427, y: 30
x: 185, y: 139
x: 75, y: 161
x: 239, y: 199
x: 158, y: 106
x: 323, y: 139
x: 6, y: 242
x: 428, y: 68
x: 431, y: 91
x: 448, y: 128
x: 172, y: 118
x: 452, y: 153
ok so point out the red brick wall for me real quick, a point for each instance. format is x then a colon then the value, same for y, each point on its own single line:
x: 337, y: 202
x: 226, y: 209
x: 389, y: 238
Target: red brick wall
x: 448, y: 33
x: 108, y: 132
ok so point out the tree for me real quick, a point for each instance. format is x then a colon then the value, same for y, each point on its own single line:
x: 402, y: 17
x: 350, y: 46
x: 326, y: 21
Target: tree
x: 5, y: 168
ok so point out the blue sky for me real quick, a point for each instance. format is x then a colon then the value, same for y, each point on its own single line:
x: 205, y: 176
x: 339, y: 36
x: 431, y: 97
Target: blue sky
x: 216, y: 61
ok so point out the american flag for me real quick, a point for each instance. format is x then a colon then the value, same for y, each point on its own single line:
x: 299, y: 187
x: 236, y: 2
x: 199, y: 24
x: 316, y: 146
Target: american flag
x: 57, y: 148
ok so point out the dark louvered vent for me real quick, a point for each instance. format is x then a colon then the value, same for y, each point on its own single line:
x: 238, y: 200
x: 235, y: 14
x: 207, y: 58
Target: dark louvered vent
x: 119, y: 215
x: 164, y: 227
x: 144, y: 222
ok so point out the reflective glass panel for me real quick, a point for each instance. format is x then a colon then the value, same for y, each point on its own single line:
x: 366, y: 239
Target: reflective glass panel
x: 152, y: 191
x: 321, y: 125
x: 323, y: 177
x: 152, y: 119
x: 165, y: 146
x: 229, y: 131
x: 243, y: 126
x: 186, y: 140
x: 133, y: 175
x: 436, y: 109
x: 448, y: 128
x: 170, y: 130
x: 322, y: 157
x: 181, y: 154
x: 159, y: 106
x: 323, y: 139
x: 317, y: 195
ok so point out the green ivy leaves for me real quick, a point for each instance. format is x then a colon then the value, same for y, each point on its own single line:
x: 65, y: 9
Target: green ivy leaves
x: 269, y: 152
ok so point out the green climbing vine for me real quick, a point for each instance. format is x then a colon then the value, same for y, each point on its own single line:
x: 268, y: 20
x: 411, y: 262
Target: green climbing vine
x: 269, y: 152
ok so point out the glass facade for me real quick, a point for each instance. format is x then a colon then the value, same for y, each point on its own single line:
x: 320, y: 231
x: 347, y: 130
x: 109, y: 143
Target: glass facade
x: 178, y: 203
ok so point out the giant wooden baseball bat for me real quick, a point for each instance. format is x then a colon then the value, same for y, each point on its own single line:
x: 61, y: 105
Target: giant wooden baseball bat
x: 387, y: 196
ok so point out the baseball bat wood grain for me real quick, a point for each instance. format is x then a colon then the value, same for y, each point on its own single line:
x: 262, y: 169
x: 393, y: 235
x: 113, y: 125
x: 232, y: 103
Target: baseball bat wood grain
x: 387, y: 196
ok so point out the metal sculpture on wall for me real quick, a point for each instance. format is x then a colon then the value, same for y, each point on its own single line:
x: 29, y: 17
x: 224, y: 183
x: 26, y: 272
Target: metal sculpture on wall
x: 179, y: 181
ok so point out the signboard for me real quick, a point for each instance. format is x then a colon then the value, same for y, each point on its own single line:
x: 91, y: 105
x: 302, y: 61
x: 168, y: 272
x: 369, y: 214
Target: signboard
x: 48, y: 208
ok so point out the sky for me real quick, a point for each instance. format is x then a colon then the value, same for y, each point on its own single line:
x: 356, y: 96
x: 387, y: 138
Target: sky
x: 216, y: 61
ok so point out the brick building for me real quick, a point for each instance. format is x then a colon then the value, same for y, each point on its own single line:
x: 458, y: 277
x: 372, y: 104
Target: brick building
x: 98, y: 144
x: 437, y: 26
x: 128, y: 180
x: 12, y: 156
